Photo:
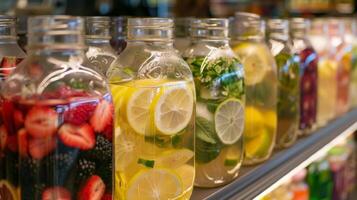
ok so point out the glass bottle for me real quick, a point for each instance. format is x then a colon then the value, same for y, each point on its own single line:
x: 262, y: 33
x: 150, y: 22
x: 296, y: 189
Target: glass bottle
x: 61, y: 115
x: 350, y: 38
x: 261, y: 86
x: 308, y: 74
x: 100, y: 54
x: 289, y: 84
x: 342, y: 52
x: 319, y: 179
x: 118, y: 40
x: 10, y: 55
x: 219, y: 81
x: 154, y: 98
x: 182, y: 36
x: 327, y: 71
x: 299, y: 188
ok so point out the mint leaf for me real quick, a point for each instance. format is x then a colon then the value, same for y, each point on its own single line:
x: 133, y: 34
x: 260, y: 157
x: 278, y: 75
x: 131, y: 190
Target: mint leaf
x: 146, y: 163
x: 230, y: 162
x: 205, y: 130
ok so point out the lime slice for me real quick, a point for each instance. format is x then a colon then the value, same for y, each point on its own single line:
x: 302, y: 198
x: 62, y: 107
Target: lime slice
x: 254, y: 61
x: 258, y: 146
x: 138, y: 111
x: 174, y: 158
x: 154, y: 184
x: 254, y: 123
x: 229, y: 121
x: 174, y: 109
x: 7, y: 191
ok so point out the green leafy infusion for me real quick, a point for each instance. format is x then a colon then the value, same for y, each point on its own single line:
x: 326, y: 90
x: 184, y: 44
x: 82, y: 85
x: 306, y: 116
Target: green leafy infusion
x: 208, y: 145
x: 164, y: 141
x: 223, y: 74
x: 146, y: 163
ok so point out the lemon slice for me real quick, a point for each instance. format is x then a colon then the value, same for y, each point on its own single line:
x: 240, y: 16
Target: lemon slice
x: 254, y: 122
x: 154, y: 184
x: 187, y: 174
x: 254, y: 61
x: 174, y: 109
x: 259, y: 146
x: 229, y: 121
x: 7, y: 191
x: 126, y: 149
x: 174, y: 158
x: 138, y: 110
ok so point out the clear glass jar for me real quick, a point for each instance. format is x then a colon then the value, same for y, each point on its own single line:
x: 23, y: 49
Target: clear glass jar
x: 61, y: 115
x: 154, y: 96
x: 351, y: 39
x: 118, y: 40
x: 100, y: 54
x: 343, y: 57
x: 219, y: 81
x: 327, y: 70
x: 182, y: 34
x: 308, y: 74
x: 248, y: 42
x: 289, y: 81
x: 10, y: 55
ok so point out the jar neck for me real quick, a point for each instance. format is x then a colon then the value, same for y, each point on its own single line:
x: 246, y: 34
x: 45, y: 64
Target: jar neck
x: 168, y: 43
x: 150, y: 30
x: 211, y: 42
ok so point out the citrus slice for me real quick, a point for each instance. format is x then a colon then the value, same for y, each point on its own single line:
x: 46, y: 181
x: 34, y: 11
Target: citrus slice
x: 126, y: 149
x: 229, y: 121
x: 138, y: 110
x: 174, y: 158
x: 254, y: 61
x: 187, y: 174
x: 174, y: 109
x: 154, y: 184
x: 259, y: 146
x: 7, y: 191
x: 254, y: 122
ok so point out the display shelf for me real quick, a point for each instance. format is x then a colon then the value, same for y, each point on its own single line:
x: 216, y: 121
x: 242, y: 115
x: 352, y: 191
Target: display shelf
x: 257, y: 180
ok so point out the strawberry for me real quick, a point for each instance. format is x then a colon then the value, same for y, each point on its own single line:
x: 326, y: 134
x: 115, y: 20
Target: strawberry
x: 108, y: 132
x: 41, y: 147
x: 56, y: 193
x: 93, y: 189
x: 103, y: 116
x: 8, y: 110
x: 107, y: 197
x: 80, y: 114
x: 12, y: 143
x: 23, y: 142
x: 3, y: 137
x: 81, y: 137
x: 18, y: 119
x: 41, y: 122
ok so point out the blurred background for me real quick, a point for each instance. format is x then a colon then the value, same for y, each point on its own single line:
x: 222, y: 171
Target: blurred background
x: 168, y: 8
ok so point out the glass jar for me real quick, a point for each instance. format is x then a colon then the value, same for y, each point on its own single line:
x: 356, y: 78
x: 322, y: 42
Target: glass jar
x: 350, y: 38
x: 58, y: 115
x: 100, y: 54
x: 289, y: 84
x: 154, y: 98
x: 343, y: 57
x: 10, y: 55
x: 308, y: 74
x: 248, y: 33
x: 182, y: 37
x: 219, y: 81
x: 327, y: 70
x: 118, y: 40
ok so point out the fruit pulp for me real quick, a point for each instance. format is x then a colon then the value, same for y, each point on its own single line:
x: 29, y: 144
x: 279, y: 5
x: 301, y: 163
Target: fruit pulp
x: 288, y: 99
x: 261, y: 101
x: 61, y: 144
x: 219, y: 118
x: 154, y: 139
x: 327, y: 89
x: 343, y: 83
x: 308, y: 90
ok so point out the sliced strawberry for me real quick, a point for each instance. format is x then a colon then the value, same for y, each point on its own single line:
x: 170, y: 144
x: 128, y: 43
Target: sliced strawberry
x: 3, y: 137
x: 56, y: 193
x: 93, y: 189
x: 103, y: 115
x: 18, y: 119
x: 81, y: 137
x: 41, y: 147
x: 12, y: 143
x: 8, y: 110
x: 41, y: 122
x: 79, y: 114
x: 23, y: 142
x: 107, y: 197
x: 108, y: 132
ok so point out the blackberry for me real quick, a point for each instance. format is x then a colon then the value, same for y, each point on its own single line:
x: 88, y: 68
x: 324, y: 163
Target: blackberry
x: 12, y: 167
x: 30, y: 171
x: 86, y: 168
x: 32, y: 192
x: 105, y: 171
x: 102, y: 152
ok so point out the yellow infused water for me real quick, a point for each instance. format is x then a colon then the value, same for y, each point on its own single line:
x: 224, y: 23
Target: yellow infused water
x: 154, y: 143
